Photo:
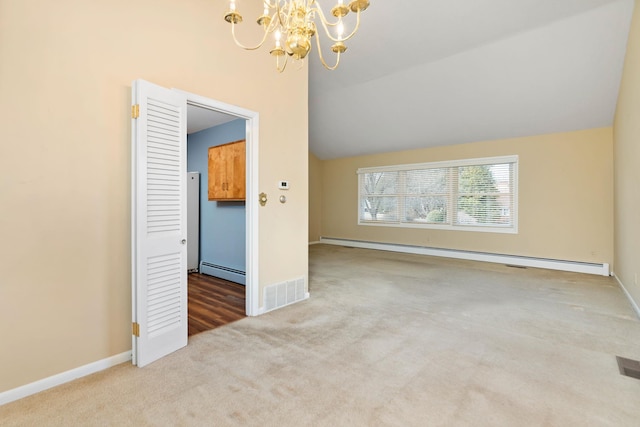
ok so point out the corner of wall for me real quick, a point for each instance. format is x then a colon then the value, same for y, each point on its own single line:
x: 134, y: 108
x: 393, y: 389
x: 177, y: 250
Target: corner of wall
x: 626, y: 161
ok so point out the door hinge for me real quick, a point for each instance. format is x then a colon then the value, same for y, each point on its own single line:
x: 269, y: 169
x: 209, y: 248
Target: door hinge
x: 135, y: 111
x: 135, y: 329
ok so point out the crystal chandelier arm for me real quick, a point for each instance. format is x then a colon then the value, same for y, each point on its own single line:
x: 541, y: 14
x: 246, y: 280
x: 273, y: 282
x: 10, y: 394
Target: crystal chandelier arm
x: 233, y: 33
x: 268, y: 30
x: 331, y: 68
x: 326, y: 24
x: 276, y: 4
x: 283, y: 24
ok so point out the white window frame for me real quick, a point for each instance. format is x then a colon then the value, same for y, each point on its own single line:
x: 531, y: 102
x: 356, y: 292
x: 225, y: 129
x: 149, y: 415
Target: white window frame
x: 512, y: 229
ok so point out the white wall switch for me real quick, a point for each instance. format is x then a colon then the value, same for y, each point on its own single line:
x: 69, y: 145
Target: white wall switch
x: 283, y: 185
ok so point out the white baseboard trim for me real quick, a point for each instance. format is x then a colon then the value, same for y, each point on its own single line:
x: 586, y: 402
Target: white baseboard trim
x: 64, y: 377
x: 551, y: 264
x: 635, y: 306
x: 315, y: 243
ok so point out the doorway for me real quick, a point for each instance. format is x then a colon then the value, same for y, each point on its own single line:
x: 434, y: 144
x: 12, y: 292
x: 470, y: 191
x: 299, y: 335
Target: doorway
x: 252, y: 123
x: 159, y: 231
x: 216, y: 228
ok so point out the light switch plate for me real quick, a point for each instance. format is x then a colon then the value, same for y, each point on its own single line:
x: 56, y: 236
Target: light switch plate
x: 283, y: 185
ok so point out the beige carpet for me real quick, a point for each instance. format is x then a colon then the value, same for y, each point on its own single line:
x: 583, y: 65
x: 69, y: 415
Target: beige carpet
x: 386, y: 339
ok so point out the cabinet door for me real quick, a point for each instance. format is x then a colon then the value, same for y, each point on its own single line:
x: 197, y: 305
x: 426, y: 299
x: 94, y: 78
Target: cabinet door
x: 237, y: 175
x: 217, y: 174
x: 227, y: 171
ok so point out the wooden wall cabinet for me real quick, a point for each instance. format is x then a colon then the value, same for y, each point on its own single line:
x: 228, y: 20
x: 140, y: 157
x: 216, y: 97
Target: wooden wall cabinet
x: 227, y: 172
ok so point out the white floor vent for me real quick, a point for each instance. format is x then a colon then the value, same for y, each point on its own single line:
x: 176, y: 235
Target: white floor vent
x: 285, y: 293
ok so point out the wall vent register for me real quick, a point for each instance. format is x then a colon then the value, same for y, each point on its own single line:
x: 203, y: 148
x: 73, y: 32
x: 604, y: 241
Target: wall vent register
x: 629, y: 367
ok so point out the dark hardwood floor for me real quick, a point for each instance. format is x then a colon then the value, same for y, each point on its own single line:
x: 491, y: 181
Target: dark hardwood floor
x: 213, y: 302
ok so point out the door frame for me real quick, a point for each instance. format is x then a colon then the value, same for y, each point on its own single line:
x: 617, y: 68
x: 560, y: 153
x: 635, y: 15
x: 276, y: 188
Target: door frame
x: 252, y: 119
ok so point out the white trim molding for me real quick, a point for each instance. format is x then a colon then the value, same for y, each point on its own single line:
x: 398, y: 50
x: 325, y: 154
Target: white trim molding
x: 252, y: 219
x: 550, y: 264
x: 444, y: 164
x: 635, y: 306
x: 62, y: 378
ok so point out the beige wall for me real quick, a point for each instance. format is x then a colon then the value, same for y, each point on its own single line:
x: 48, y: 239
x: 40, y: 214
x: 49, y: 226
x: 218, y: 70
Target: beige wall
x: 627, y: 163
x: 565, y: 197
x: 66, y: 68
x: 315, y: 198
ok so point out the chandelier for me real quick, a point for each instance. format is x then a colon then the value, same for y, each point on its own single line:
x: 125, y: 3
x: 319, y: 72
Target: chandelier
x: 293, y: 23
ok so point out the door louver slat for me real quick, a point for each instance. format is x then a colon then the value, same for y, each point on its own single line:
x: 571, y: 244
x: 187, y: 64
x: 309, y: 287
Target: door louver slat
x: 163, y: 277
x: 163, y: 166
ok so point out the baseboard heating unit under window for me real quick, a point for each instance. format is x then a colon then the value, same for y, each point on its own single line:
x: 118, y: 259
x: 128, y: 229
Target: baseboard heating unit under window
x: 551, y: 264
x: 226, y: 273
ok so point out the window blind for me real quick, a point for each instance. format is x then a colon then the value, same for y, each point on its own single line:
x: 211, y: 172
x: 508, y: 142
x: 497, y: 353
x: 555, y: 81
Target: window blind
x: 470, y: 194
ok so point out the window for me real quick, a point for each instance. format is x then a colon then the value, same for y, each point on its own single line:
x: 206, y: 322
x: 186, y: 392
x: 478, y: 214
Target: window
x: 474, y: 195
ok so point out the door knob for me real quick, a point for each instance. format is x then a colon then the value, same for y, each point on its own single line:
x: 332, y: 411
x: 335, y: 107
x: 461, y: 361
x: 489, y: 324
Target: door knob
x: 183, y: 241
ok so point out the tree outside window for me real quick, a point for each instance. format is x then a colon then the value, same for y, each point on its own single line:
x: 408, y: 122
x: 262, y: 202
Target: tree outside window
x: 477, y: 195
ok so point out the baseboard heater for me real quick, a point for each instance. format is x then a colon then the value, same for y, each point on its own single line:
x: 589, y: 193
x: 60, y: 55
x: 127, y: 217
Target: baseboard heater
x: 551, y: 264
x: 226, y: 273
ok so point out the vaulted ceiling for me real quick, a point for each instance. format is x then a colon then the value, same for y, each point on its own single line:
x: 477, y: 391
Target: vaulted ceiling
x: 426, y: 73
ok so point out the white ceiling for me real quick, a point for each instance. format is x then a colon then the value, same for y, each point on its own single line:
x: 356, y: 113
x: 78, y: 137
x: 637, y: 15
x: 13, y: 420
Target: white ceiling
x: 199, y: 118
x: 428, y: 73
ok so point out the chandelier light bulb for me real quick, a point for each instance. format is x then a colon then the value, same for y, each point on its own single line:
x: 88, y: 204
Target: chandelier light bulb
x: 340, y: 30
x: 278, y: 35
x: 232, y: 6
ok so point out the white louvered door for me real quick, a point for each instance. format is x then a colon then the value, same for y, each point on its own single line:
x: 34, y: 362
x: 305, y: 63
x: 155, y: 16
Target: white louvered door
x: 159, y: 222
